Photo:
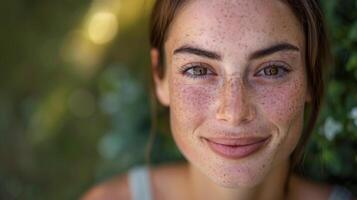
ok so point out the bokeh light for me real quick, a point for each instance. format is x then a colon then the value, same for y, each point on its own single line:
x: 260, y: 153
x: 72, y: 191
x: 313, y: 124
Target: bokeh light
x: 102, y: 27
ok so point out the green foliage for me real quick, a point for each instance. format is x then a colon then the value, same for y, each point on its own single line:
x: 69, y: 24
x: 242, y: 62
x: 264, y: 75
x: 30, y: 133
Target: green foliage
x: 331, y: 154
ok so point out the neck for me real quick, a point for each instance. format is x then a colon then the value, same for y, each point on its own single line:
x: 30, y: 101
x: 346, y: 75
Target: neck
x: 272, y: 188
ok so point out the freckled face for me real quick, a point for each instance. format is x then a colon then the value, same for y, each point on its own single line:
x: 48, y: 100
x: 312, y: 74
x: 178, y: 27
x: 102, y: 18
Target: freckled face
x: 235, y: 69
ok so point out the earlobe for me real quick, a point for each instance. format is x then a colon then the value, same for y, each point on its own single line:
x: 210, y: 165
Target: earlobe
x: 160, y: 82
x: 162, y: 95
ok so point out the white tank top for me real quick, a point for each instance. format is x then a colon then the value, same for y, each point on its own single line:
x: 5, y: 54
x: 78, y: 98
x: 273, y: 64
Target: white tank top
x: 139, y: 183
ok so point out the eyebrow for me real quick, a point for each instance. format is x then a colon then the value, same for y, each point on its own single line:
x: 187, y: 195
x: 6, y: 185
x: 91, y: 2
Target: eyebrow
x: 273, y: 49
x: 198, y: 51
x: 255, y: 55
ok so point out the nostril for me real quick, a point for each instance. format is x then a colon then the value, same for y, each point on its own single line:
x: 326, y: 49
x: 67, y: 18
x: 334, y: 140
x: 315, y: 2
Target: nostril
x: 236, y: 111
x: 222, y: 113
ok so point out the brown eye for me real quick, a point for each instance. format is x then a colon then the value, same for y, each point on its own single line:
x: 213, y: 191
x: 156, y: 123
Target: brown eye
x: 198, y: 71
x: 271, y: 71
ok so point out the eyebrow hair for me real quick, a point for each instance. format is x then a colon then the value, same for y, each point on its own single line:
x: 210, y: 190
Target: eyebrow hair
x: 257, y: 54
x: 198, y: 51
x: 273, y: 49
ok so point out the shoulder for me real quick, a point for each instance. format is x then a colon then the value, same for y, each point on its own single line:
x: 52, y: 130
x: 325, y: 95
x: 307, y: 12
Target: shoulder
x: 115, y: 188
x: 303, y: 188
x: 164, y: 181
x: 169, y: 181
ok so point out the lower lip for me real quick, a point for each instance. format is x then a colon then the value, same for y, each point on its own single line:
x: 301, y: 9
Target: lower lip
x: 235, y: 152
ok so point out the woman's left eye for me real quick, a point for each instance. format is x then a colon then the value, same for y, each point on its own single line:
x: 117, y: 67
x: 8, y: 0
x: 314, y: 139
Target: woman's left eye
x: 273, y: 71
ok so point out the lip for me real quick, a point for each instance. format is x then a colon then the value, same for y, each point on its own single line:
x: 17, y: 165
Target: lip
x: 235, y: 148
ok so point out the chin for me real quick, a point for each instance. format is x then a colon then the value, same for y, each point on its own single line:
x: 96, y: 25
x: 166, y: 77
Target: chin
x: 244, y: 176
x: 234, y: 182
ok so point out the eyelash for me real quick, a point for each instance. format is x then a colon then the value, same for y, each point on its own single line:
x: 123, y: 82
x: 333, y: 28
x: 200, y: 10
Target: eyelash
x: 185, y: 70
x: 282, y: 70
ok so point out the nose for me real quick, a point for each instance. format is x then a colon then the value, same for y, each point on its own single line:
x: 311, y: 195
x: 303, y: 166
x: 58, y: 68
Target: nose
x: 235, y: 106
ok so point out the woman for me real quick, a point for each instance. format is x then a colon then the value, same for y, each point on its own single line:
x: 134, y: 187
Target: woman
x: 238, y: 77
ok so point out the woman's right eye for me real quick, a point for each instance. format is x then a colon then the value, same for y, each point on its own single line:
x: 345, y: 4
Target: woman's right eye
x: 197, y: 71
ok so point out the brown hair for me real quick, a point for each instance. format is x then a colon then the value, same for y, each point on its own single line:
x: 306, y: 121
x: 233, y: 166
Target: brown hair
x: 317, y: 53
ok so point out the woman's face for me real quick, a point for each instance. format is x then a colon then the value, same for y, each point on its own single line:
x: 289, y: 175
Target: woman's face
x: 236, y: 86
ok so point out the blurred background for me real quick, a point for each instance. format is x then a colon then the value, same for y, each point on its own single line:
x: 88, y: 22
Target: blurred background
x: 74, y: 97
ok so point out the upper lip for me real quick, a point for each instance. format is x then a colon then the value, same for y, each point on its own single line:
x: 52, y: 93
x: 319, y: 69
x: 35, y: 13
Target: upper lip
x: 243, y: 141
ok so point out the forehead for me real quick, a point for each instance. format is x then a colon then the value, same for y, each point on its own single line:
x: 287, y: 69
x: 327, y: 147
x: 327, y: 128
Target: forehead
x: 235, y: 24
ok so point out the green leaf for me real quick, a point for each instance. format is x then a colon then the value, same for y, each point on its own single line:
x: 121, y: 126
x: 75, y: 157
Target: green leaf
x: 353, y: 32
x: 352, y: 62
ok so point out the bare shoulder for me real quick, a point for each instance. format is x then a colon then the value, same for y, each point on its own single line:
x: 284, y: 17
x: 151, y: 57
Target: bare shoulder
x: 303, y: 188
x: 165, y: 179
x: 115, y: 188
x: 169, y: 181
x: 172, y: 176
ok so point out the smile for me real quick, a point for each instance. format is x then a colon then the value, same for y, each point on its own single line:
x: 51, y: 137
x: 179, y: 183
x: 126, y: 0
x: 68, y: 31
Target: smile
x: 236, y: 148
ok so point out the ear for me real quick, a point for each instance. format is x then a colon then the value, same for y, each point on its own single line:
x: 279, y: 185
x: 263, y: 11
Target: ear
x: 160, y: 83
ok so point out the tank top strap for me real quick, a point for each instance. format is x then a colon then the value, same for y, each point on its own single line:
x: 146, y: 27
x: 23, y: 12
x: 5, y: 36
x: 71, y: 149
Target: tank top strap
x: 139, y: 183
x: 340, y: 193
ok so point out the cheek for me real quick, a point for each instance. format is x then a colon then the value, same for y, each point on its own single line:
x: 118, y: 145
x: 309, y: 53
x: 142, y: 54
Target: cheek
x: 189, y: 107
x: 282, y: 104
x: 190, y: 103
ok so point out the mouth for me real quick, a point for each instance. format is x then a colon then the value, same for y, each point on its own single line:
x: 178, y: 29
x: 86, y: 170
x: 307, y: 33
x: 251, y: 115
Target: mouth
x: 236, y: 148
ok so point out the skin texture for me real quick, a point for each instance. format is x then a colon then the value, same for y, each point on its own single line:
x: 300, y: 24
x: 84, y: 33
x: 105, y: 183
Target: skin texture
x: 235, y: 98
